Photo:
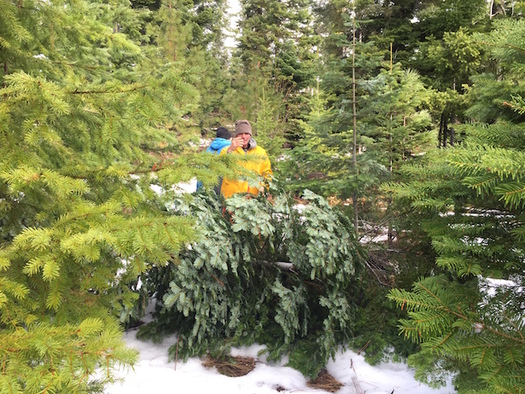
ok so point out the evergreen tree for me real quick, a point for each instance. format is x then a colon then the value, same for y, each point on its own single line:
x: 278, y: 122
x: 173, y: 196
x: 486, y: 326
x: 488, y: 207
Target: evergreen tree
x: 275, y: 55
x: 257, y: 99
x: 192, y: 34
x: 462, y: 315
x: 392, y: 126
x: 266, y: 27
x: 343, y: 169
x: 263, y: 272
x: 90, y: 119
x: 497, y: 92
x: 397, y: 124
x: 436, y: 18
x: 447, y: 56
x: 470, y: 202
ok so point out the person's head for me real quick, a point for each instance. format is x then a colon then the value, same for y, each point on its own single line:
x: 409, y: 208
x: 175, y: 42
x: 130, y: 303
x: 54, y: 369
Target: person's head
x: 243, y: 129
x: 223, y: 132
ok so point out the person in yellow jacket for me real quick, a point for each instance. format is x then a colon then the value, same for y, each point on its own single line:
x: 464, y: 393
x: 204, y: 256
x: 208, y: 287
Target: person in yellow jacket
x: 244, y: 144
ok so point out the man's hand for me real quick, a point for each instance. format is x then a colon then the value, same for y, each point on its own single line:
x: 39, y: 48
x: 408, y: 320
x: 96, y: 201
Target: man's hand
x: 236, y: 142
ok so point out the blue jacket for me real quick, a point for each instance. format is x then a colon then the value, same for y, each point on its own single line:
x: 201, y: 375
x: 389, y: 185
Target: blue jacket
x: 217, y: 145
x: 215, y: 148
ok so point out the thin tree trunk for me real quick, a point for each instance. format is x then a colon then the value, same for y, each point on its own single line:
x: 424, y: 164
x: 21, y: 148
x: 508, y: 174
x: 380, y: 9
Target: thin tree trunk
x: 444, y: 132
x: 356, y: 217
x: 390, y: 235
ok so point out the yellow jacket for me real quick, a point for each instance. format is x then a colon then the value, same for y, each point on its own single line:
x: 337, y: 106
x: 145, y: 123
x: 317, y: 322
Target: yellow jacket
x: 261, y: 167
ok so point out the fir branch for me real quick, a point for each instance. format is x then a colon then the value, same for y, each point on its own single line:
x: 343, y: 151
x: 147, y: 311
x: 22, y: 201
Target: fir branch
x: 110, y: 91
x: 499, y: 45
x: 501, y: 334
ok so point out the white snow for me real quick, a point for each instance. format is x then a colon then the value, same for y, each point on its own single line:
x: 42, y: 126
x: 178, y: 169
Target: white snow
x: 155, y: 374
x: 186, y: 187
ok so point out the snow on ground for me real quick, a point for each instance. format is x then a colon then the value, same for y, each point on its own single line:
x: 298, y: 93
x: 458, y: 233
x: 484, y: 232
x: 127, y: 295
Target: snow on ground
x: 154, y: 374
x: 187, y: 187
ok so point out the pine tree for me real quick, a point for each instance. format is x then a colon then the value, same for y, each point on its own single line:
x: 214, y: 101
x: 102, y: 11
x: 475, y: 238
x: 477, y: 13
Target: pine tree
x: 448, y: 56
x: 264, y: 272
x: 267, y: 26
x: 437, y: 18
x: 469, y: 319
x: 321, y: 160
x: 392, y: 126
x: 90, y: 119
x: 192, y: 34
x: 397, y: 124
x: 463, y: 320
x: 274, y: 63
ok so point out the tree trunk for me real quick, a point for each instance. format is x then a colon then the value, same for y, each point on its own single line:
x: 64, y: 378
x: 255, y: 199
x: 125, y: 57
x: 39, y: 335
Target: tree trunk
x: 356, y: 216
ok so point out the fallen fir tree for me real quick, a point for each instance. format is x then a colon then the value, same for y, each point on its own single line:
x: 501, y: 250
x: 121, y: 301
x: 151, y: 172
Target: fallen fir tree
x: 262, y: 272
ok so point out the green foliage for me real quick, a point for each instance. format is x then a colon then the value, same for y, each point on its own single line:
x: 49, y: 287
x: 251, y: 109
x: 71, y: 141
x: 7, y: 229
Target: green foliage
x: 397, y: 123
x: 269, y: 124
x: 445, y: 318
x: 469, y: 202
x: 496, y: 93
x: 268, y: 25
x: 458, y: 53
x: 72, y: 353
x: 190, y: 37
x: 274, y: 63
x: 392, y: 127
x: 236, y: 286
x: 436, y: 18
x: 89, y: 110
